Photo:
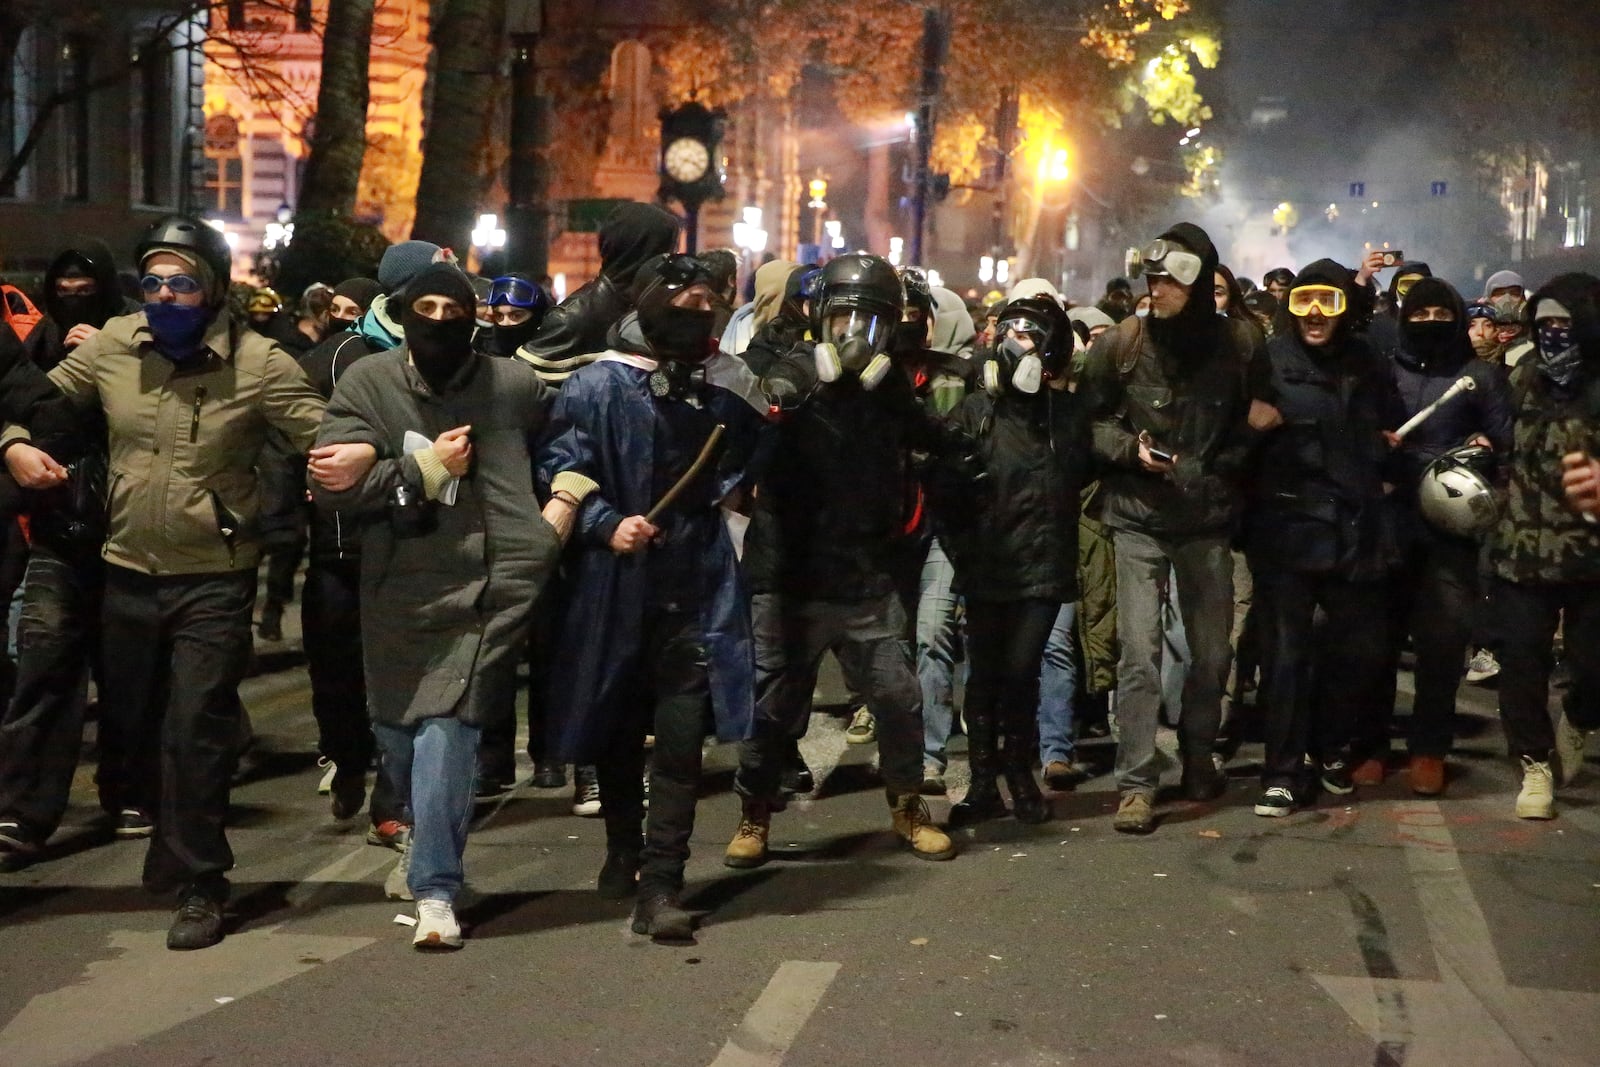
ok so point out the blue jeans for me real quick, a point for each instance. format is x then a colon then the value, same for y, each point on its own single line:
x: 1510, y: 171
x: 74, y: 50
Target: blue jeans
x: 1058, y: 688
x: 936, y: 671
x: 431, y: 767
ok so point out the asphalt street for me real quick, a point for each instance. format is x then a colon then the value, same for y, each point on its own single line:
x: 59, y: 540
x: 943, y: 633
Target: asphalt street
x: 1382, y: 929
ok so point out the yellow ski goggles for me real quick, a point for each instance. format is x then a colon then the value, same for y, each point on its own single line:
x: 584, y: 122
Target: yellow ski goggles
x: 1403, y: 285
x: 1329, y: 300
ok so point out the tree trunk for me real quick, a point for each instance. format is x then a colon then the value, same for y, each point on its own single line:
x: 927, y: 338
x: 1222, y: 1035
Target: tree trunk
x: 339, y: 139
x: 467, y: 42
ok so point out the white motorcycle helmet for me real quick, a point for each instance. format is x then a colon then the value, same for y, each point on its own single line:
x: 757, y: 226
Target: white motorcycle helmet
x: 1456, y: 496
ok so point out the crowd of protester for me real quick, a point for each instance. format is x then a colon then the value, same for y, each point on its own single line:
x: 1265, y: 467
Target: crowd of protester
x: 1228, y: 508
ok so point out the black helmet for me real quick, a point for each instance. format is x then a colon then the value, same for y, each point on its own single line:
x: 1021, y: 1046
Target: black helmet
x: 196, y: 238
x: 1046, y: 324
x: 857, y: 281
x: 919, y: 292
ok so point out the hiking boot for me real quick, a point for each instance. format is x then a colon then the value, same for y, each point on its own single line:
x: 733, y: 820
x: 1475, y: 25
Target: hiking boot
x: 1062, y: 775
x: 1482, y: 667
x: 349, y: 793
x: 1135, y: 814
x: 585, y: 792
x: 916, y: 828
x: 437, y: 928
x: 548, y: 774
x: 1427, y: 775
x: 197, y: 922
x: 1369, y: 772
x: 1336, y: 778
x: 619, y: 876
x: 662, y: 918
x: 1276, y: 802
x: 1538, y: 798
x: 933, y: 784
x: 749, y: 845
x: 863, y: 728
x: 1570, y: 742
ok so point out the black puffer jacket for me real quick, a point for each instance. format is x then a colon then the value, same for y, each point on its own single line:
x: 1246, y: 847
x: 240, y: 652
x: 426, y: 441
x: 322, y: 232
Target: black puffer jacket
x: 334, y: 535
x: 1022, y: 540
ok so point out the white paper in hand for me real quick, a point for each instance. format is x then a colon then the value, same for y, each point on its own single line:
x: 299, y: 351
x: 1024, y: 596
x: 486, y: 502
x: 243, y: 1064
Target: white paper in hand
x: 415, y: 442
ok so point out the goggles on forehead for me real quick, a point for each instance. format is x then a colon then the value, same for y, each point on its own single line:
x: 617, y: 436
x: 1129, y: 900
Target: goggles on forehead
x: 1403, y: 285
x: 1328, y: 300
x: 182, y: 284
x: 1170, y: 260
x: 518, y: 292
x: 1479, y: 310
x: 680, y: 272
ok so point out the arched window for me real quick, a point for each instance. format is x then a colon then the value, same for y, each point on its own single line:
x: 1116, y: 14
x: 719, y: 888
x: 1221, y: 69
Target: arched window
x: 633, y: 106
x: 224, y: 185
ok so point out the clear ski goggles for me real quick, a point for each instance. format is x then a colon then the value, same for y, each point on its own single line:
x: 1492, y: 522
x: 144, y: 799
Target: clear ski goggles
x: 1327, y: 300
x: 1026, y: 329
x: 1171, y: 260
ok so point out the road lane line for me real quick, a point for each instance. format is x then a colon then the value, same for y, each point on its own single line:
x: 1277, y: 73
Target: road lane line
x: 777, y: 1016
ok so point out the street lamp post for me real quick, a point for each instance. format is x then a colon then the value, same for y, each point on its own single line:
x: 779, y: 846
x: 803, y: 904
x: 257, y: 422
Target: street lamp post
x: 527, y: 178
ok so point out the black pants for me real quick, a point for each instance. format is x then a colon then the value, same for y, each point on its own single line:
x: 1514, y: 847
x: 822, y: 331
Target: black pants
x: 330, y: 615
x: 176, y: 648
x: 667, y: 692
x: 869, y: 639
x: 1528, y: 617
x: 1314, y: 688
x: 58, y: 639
x: 1005, y: 646
x: 497, y: 758
x: 1432, y: 597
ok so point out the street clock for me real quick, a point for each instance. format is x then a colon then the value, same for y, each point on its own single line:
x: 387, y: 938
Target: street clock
x: 691, y: 159
x: 686, y: 160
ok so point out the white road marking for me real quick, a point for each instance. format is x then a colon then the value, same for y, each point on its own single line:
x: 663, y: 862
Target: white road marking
x: 777, y: 1016
x: 1470, y: 1016
x: 156, y: 990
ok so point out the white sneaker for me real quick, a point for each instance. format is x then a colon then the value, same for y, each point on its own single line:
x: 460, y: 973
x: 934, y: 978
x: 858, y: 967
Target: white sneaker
x: 1482, y: 666
x: 586, y: 792
x: 325, y: 786
x: 396, y: 886
x: 863, y: 729
x: 1569, y: 748
x: 437, y: 928
x: 1537, y: 799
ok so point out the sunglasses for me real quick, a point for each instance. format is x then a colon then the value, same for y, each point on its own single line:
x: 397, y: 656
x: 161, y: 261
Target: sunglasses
x: 518, y: 292
x: 182, y: 284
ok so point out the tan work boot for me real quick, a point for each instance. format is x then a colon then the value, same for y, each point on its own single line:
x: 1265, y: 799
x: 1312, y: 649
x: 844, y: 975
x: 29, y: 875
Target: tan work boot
x: 916, y: 828
x: 1134, y: 814
x: 749, y: 845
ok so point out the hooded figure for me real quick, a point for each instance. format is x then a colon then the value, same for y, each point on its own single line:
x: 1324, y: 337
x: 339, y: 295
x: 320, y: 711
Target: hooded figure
x: 1195, y: 329
x: 574, y: 333
x: 356, y: 293
x: 771, y: 291
x: 1384, y: 329
x: 90, y: 259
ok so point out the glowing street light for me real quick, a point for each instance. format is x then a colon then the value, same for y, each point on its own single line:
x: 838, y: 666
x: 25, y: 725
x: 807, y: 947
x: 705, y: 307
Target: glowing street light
x: 818, y: 187
x: 986, y: 269
x: 488, y: 233
x: 897, y: 249
x: 748, y: 233
x: 1002, y: 271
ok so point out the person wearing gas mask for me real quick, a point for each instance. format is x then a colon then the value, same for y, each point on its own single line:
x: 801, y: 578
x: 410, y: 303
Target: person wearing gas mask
x: 656, y: 637
x: 575, y: 332
x: 454, y: 550
x: 1177, y: 399
x: 1545, y: 549
x: 1319, y: 538
x: 838, y: 484
x: 58, y: 630
x: 1016, y: 555
x: 181, y: 548
x: 1434, y: 591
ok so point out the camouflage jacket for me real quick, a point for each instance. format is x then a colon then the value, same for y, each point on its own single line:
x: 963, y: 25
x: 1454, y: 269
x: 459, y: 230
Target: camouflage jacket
x: 1539, y: 539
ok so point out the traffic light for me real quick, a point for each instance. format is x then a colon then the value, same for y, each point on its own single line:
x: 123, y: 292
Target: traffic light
x: 691, y: 153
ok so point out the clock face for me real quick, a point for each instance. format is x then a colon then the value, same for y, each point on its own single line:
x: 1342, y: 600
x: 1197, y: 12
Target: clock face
x: 686, y: 159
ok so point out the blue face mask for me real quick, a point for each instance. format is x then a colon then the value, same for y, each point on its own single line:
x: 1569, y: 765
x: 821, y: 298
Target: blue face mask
x: 178, y: 331
x: 1560, y: 359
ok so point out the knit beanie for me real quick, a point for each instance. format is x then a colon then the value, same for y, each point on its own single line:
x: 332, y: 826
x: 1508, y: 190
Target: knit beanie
x: 402, y: 262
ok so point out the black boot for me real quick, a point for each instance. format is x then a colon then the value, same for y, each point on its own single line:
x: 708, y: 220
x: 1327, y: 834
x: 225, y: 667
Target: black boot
x: 619, y: 877
x: 983, y: 800
x: 1202, y: 779
x: 1027, y: 802
x: 271, y: 626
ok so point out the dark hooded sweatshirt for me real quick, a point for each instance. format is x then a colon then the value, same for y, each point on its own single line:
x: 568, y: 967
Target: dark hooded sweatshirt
x: 573, y: 334
x: 1188, y: 382
x: 1317, y: 501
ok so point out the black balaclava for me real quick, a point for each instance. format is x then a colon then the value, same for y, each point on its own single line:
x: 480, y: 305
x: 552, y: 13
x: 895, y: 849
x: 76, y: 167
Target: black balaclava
x: 678, y: 335
x: 632, y: 234
x: 1443, y: 346
x: 1325, y: 272
x: 84, y: 258
x: 438, y: 348
x: 1192, y: 333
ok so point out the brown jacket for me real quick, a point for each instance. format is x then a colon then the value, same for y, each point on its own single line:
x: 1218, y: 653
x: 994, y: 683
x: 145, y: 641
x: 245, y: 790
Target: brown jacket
x: 182, y: 493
